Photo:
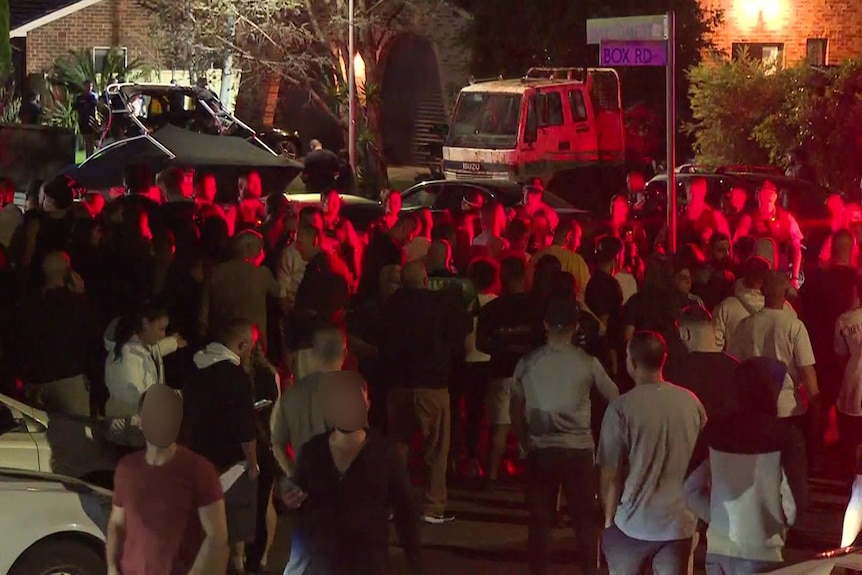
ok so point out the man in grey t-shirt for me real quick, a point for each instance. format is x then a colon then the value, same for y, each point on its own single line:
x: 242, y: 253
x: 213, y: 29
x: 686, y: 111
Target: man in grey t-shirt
x: 651, y: 433
x: 550, y: 409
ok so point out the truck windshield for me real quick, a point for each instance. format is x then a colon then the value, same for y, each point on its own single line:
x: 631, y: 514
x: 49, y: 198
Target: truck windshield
x: 486, y: 120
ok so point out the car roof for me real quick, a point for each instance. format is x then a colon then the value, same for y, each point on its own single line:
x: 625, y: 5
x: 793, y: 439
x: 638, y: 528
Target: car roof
x: 348, y: 199
x: 510, y: 192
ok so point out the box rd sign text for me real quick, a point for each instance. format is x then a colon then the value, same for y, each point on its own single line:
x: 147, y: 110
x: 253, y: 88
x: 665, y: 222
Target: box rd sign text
x: 649, y: 53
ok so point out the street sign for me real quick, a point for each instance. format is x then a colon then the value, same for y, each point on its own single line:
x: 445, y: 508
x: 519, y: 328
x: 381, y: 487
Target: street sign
x: 631, y: 28
x: 614, y: 53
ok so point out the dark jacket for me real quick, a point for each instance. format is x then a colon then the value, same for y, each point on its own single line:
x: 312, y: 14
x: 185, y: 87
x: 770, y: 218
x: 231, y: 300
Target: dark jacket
x: 344, y: 524
x: 56, y: 335
x: 218, y: 409
x: 421, y: 334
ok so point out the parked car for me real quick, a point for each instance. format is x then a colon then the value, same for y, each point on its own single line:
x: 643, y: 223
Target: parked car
x: 33, y: 440
x: 448, y: 195
x: 133, y: 106
x: 51, y: 525
x: 362, y: 212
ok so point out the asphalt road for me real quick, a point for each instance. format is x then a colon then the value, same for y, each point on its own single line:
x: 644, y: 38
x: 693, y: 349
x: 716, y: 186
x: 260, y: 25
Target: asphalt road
x: 489, y: 535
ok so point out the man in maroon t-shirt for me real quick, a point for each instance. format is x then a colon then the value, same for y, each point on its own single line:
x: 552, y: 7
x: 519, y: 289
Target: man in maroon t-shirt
x: 168, y: 515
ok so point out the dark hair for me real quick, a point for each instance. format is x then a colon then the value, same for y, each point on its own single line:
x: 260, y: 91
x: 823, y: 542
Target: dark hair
x: 546, y: 271
x: 33, y: 188
x: 484, y: 273
x: 694, y: 314
x: 138, y: 178
x: 717, y: 237
x: 308, y: 211
x: 608, y: 249
x: 230, y: 330
x: 659, y: 273
x: 62, y: 191
x: 512, y: 269
x: 517, y: 230
x: 131, y: 323
x: 754, y: 270
x: 648, y: 349
x: 563, y: 285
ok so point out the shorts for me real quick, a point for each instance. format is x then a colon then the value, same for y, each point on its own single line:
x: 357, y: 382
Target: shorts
x: 497, y: 401
x: 240, y: 502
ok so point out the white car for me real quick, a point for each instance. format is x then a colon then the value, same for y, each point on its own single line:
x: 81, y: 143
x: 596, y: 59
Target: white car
x: 32, y: 440
x: 51, y: 525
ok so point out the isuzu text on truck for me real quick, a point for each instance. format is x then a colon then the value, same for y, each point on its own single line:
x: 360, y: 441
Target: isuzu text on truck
x: 551, y: 121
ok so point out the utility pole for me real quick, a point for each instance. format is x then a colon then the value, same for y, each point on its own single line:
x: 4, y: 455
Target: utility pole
x: 351, y: 86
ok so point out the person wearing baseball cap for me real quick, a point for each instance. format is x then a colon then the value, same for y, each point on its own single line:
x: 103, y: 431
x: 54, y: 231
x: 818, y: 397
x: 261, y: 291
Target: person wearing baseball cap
x: 551, y: 412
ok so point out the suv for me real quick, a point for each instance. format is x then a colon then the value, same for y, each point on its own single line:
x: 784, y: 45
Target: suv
x: 131, y: 109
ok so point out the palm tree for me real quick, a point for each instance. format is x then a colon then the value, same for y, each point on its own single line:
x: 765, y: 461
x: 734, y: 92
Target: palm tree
x: 77, y: 67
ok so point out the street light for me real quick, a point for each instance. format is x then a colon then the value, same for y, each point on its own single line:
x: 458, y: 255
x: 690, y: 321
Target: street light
x: 351, y: 88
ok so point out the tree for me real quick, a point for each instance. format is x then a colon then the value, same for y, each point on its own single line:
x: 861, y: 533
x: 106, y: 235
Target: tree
x: 747, y: 113
x: 305, y: 44
x: 5, y: 44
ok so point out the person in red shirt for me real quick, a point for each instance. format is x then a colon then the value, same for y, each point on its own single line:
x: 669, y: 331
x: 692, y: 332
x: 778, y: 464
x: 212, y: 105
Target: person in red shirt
x: 168, y: 514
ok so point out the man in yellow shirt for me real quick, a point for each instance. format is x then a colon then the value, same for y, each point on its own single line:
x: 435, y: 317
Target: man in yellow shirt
x: 567, y: 238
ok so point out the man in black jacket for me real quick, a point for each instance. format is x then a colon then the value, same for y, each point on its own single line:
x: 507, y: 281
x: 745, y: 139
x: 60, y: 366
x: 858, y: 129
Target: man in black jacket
x: 420, y: 335
x: 219, y: 423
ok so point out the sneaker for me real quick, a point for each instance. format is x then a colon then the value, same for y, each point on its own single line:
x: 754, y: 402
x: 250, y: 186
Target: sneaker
x: 438, y: 519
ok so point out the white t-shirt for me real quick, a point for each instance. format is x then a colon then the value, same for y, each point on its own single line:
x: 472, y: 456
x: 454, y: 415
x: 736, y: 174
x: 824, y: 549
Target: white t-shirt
x: 628, y: 285
x: 780, y: 335
x: 848, y: 342
x: 727, y: 315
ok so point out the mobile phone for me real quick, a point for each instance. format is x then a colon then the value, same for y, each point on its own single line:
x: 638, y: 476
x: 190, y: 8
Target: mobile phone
x: 262, y: 404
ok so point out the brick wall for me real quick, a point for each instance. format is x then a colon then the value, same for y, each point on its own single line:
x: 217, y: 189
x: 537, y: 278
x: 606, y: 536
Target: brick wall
x: 118, y: 23
x: 792, y: 22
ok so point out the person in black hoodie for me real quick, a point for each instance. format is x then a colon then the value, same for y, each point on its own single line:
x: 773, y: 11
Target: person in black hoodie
x: 509, y: 328
x: 219, y: 423
x: 752, y: 484
x: 420, y: 334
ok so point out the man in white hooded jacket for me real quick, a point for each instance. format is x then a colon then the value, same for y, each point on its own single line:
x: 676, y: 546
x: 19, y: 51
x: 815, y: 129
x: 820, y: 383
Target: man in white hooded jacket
x: 747, y: 301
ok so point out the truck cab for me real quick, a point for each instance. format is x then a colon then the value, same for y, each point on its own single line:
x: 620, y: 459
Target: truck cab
x: 549, y: 121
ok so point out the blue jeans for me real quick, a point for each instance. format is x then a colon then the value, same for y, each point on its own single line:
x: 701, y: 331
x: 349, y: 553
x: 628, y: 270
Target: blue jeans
x: 299, y: 560
x: 724, y: 565
x: 627, y: 556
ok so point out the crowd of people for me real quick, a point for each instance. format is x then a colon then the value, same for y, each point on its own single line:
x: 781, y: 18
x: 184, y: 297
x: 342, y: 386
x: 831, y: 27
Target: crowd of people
x: 262, y: 352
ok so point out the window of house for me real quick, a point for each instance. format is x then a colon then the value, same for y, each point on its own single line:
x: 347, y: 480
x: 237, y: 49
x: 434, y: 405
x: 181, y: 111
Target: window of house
x: 772, y: 55
x: 552, y: 109
x: 579, y: 107
x: 815, y: 51
x: 100, y: 55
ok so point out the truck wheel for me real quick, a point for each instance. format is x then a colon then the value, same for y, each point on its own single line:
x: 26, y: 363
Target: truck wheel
x: 59, y: 557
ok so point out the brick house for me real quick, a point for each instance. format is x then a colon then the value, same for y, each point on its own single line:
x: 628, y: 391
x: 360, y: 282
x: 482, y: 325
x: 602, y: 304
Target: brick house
x: 44, y: 30
x: 820, y: 32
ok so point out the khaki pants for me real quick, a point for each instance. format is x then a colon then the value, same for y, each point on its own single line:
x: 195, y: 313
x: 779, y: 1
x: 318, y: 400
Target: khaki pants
x: 427, y: 411
x: 70, y: 396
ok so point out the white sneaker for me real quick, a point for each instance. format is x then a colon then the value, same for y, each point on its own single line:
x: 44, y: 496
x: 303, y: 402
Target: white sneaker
x: 438, y: 519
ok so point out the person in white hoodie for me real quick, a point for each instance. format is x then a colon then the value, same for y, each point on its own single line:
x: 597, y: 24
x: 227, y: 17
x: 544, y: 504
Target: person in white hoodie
x: 747, y: 301
x: 136, y: 345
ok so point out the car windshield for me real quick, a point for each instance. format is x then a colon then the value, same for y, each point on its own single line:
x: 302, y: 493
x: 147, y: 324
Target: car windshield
x: 486, y: 120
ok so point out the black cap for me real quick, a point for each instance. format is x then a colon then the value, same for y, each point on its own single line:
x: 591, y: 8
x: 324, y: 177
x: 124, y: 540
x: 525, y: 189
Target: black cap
x: 562, y: 313
x: 608, y: 248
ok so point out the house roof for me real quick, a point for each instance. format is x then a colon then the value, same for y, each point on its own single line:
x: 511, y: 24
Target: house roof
x: 27, y: 15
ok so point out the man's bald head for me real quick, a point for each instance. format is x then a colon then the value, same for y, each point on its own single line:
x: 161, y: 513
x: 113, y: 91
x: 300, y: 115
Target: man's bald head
x: 414, y: 275
x: 439, y: 255
x: 776, y: 284
x: 248, y: 245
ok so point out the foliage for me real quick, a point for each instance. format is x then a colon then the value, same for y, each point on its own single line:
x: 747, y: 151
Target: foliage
x: 10, y: 104
x: 745, y: 113
x: 5, y: 44
x: 71, y: 71
x: 60, y: 111
x: 303, y: 42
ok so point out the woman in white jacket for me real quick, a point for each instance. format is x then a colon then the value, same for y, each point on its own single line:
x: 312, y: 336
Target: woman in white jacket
x: 136, y: 346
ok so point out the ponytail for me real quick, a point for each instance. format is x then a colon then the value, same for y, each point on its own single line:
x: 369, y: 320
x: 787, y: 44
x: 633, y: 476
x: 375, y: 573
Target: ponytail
x: 130, y: 324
